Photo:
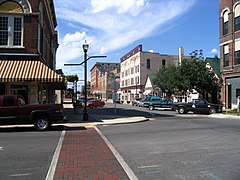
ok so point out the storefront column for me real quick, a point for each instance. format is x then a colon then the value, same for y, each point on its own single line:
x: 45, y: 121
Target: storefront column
x: 33, y: 93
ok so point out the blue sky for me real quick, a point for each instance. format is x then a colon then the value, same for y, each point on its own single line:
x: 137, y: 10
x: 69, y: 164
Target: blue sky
x: 114, y: 27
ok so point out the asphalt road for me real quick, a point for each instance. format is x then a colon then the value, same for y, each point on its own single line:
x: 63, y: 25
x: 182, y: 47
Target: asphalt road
x: 126, y: 110
x: 26, y: 154
x: 179, y: 147
x: 168, y: 146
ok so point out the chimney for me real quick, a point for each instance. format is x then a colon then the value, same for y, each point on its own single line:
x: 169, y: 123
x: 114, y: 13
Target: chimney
x: 180, y: 54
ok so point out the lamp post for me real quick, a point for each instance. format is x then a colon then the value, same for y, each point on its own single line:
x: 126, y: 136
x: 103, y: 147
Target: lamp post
x: 85, y: 49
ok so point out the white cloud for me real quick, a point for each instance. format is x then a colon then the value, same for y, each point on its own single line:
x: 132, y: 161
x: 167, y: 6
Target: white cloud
x: 110, y: 25
x: 151, y: 51
x: 122, y: 6
x: 214, y: 51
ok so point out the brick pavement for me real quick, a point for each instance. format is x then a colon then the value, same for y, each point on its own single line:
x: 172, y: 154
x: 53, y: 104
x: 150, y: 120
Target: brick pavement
x: 85, y: 156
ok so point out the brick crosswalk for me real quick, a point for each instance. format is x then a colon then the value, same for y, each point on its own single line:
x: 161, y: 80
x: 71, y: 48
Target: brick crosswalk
x: 85, y: 155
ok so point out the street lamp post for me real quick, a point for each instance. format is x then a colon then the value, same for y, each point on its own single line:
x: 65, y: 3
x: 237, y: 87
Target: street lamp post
x: 85, y: 49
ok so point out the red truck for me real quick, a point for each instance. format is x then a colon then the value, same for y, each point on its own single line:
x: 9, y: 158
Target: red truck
x: 14, y: 111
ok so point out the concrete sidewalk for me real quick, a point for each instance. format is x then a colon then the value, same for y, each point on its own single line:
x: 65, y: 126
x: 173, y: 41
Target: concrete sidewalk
x: 76, y: 119
x: 226, y: 116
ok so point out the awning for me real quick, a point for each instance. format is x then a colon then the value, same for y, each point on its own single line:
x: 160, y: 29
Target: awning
x: 27, y: 70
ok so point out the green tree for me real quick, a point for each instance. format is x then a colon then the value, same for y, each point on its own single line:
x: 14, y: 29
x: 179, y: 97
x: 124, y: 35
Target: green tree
x: 199, y: 77
x: 168, y: 79
x: 72, y: 78
x: 197, y: 55
x: 190, y: 74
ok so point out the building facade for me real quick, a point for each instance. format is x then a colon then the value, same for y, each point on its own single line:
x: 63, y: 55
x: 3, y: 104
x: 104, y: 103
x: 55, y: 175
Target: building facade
x: 28, y: 45
x: 229, y: 19
x: 136, y: 65
x: 101, y: 78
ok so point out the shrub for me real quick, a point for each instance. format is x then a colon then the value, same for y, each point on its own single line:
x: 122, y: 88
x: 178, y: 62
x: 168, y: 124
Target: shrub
x: 232, y: 112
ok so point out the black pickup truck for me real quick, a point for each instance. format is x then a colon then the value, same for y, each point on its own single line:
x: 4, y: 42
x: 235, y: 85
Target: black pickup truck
x: 197, y: 106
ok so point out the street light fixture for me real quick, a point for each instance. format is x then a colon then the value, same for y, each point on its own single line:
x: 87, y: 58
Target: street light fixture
x: 85, y: 47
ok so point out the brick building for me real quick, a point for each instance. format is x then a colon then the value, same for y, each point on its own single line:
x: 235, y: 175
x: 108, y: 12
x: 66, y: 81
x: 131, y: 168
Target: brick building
x: 229, y: 18
x: 101, y: 78
x: 28, y: 45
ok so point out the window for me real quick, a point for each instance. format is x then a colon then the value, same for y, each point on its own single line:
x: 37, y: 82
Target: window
x: 237, y: 53
x: 8, y: 101
x: 3, y: 31
x: 225, y: 56
x: 225, y: 22
x: 237, y: 23
x: 237, y: 92
x: 122, y: 83
x: 237, y: 57
x: 11, y: 31
x: 225, y: 28
x: 148, y: 64
x: 17, y: 32
x: 123, y: 74
x: 132, y: 70
x: 137, y: 69
x: 132, y: 81
x: 163, y: 63
x: 199, y: 102
x: 237, y: 18
x: 11, y: 26
x: 137, y: 80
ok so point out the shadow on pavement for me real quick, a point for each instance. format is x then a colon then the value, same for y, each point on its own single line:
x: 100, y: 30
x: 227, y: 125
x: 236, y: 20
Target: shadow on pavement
x: 109, y: 113
x: 77, y: 117
x: 31, y: 129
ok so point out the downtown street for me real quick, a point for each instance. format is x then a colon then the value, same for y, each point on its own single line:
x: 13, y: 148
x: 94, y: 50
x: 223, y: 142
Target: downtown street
x: 168, y: 146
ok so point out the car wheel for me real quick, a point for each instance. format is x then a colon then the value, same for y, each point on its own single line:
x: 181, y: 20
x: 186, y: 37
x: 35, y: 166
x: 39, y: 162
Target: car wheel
x: 181, y: 110
x: 212, y: 111
x: 41, y: 123
x: 151, y: 108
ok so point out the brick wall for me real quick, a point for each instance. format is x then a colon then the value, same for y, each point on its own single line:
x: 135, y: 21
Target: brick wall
x: 232, y: 70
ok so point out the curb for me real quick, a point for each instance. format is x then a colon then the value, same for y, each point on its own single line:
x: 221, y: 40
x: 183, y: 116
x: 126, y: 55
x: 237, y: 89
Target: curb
x: 89, y: 124
x: 126, y: 122
x: 105, y: 122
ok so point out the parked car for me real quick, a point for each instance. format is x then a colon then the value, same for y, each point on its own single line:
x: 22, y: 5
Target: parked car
x: 136, y: 101
x: 80, y: 101
x: 14, y: 111
x: 94, y: 103
x: 151, y: 99
x: 140, y: 103
x: 197, y: 106
x: 163, y: 104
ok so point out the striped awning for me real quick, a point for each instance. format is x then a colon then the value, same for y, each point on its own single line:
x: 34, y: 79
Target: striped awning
x: 27, y: 70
